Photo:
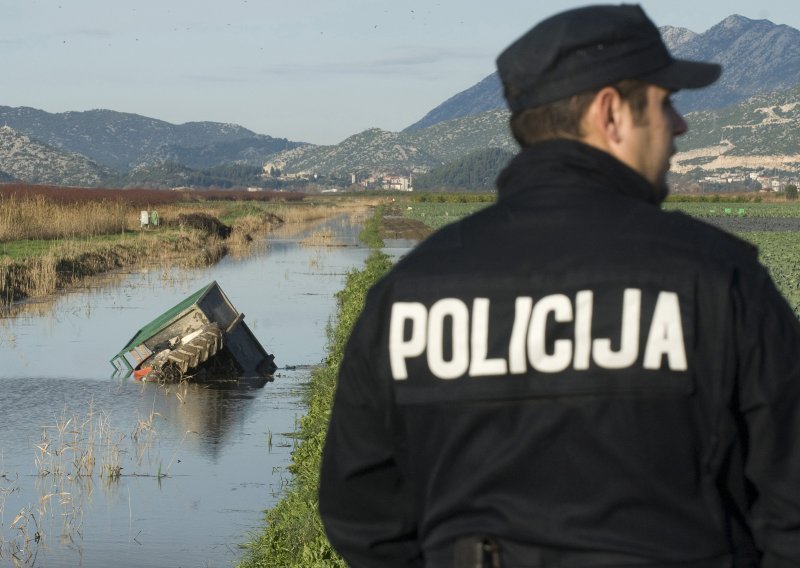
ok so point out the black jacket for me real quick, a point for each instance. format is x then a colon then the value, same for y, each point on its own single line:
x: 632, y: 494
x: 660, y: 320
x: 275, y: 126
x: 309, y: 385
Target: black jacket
x: 577, y: 373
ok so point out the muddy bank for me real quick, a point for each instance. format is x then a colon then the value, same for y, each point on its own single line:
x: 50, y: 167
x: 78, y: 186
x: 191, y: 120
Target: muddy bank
x: 191, y: 241
x: 396, y: 226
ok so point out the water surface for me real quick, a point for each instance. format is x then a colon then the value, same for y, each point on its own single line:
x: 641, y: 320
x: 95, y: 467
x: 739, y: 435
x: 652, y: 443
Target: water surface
x: 199, y: 463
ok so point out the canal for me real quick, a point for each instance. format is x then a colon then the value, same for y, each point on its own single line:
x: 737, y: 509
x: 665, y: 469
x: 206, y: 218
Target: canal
x: 198, y: 464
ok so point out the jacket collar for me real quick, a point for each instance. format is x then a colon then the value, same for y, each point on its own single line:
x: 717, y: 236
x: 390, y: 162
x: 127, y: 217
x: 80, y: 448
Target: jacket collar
x: 558, y: 163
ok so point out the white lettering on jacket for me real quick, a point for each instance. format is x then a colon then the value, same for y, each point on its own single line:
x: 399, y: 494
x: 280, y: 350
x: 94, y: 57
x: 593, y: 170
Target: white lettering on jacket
x: 469, y: 335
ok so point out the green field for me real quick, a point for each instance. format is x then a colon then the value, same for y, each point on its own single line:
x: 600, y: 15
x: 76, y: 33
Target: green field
x: 779, y: 248
x: 780, y: 253
x: 437, y: 215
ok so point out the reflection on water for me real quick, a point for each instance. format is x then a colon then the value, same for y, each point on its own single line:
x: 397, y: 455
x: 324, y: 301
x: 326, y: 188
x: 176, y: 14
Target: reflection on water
x: 210, y: 413
x: 197, y: 463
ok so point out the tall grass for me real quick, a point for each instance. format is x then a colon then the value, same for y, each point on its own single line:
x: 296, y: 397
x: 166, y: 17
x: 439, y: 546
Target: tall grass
x: 40, y: 212
x: 40, y: 218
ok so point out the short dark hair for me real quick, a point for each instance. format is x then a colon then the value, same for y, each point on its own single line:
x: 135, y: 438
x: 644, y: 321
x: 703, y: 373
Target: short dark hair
x: 562, y: 118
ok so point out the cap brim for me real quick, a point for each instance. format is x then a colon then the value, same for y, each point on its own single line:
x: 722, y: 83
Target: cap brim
x: 684, y: 74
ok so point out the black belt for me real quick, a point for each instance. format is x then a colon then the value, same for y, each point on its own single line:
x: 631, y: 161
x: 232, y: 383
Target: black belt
x: 481, y: 551
x: 476, y: 552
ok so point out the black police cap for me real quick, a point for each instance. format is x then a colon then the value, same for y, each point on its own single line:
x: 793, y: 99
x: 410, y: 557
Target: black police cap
x: 588, y: 48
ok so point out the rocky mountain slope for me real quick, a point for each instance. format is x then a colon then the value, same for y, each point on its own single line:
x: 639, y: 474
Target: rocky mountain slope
x: 760, y: 59
x: 377, y: 150
x: 486, y: 95
x: 34, y: 162
x: 756, y: 55
x: 761, y: 133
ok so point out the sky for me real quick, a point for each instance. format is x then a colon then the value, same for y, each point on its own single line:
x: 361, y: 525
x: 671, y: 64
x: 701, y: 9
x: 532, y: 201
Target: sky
x: 314, y: 71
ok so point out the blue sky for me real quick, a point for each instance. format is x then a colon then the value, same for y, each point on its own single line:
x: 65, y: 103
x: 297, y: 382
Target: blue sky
x: 307, y: 70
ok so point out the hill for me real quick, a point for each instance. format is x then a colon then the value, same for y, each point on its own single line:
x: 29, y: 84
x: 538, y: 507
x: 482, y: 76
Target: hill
x: 121, y: 140
x: 486, y: 95
x: 474, y: 172
x: 34, y: 162
x: 377, y: 150
x: 763, y: 132
x: 757, y: 56
x: 25, y: 159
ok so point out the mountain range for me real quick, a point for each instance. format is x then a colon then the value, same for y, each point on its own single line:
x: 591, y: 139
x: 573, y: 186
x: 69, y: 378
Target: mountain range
x: 752, y: 111
x: 756, y: 56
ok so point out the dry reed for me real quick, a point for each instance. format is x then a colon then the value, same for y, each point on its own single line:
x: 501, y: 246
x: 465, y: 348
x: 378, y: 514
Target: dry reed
x: 298, y: 214
x: 247, y: 228
x: 39, y: 218
x: 323, y: 237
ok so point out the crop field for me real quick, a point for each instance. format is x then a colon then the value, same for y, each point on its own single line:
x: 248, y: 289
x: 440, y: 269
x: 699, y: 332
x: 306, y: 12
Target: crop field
x: 775, y: 210
x: 773, y: 227
x: 437, y: 215
x: 780, y: 253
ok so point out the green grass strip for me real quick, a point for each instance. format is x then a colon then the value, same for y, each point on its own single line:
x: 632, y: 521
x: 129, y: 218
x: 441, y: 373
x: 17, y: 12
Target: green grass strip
x: 293, y: 535
x: 370, y: 235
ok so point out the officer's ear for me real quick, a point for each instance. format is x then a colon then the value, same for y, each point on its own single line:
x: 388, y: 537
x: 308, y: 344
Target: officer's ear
x: 607, y: 121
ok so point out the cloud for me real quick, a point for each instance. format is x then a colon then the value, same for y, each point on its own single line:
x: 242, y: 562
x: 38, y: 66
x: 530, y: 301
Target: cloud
x: 92, y: 33
x: 413, y: 55
x: 399, y: 61
x: 219, y: 78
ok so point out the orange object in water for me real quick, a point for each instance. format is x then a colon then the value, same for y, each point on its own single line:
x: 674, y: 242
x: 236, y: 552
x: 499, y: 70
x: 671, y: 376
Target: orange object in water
x: 141, y: 374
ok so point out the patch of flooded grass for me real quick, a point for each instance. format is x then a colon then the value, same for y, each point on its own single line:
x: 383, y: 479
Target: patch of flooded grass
x: 73, y: 452
x: 324, y: 237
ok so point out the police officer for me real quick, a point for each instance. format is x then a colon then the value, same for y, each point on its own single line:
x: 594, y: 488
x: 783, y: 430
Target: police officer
x: 573, y: 377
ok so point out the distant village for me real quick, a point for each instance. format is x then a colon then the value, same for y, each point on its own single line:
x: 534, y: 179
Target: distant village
x: 384, y: 180
x: 737, y: 180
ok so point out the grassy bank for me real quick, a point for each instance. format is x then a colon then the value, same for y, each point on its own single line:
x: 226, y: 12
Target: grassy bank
x: 52, y: 240
x: 293, y: 536
x: 41, y: 267
x: 67, y: 265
